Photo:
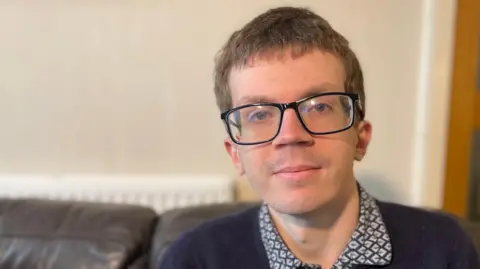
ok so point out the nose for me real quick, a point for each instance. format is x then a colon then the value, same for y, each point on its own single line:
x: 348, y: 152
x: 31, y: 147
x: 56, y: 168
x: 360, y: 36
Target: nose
x: 292, y: 131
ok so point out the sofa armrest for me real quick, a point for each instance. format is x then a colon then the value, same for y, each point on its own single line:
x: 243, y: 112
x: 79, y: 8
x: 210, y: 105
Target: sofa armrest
x: 57, y: 234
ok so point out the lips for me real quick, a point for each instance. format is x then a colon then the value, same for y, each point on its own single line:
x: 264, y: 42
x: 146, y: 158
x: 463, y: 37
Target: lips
x: 297, y: 173
x: 295, y: 169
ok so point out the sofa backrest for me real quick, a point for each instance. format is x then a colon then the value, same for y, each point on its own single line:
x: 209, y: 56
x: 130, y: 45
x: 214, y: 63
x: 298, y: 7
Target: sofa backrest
x: 58, y: 235
x: 175, y: 222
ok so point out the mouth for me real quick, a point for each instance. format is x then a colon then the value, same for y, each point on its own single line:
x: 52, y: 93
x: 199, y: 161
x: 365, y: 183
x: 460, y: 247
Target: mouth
x: 296, y: 172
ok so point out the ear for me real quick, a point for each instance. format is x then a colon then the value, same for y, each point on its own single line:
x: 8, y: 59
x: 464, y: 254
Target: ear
x: 364, y: 135
x: 232, y: 150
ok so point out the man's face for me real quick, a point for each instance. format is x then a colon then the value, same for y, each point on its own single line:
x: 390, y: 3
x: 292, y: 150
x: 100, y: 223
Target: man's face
x: 296, y: 173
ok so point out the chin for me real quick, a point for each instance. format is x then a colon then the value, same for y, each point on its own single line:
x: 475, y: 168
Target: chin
x: 289, y: 209
x: 299, y: 203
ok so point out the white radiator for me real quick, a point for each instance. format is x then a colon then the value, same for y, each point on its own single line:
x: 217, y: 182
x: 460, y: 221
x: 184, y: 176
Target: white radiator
x: 160, y: 192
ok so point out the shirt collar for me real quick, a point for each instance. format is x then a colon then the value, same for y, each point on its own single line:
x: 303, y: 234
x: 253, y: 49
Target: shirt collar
x: 369, y: 245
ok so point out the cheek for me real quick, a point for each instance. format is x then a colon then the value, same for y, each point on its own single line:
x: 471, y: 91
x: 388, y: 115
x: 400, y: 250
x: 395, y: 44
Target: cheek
x: 339, y: 150
x: 255, y: 168
x: 253, y: 159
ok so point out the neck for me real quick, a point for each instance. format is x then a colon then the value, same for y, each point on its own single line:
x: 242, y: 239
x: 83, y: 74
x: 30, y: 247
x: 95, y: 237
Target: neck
x: 320, y: 237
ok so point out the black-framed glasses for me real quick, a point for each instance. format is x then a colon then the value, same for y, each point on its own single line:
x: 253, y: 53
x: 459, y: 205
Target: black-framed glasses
x: 320, y: 114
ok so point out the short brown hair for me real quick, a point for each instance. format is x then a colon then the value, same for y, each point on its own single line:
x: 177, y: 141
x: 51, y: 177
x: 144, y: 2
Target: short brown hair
x: 270, y: 33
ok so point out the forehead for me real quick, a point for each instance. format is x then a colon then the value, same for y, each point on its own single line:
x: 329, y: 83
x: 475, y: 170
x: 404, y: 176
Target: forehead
x: 287, y: 79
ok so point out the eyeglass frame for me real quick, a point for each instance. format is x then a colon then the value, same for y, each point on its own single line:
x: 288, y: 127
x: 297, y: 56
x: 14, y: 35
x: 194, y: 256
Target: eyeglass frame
x: 356, y: 106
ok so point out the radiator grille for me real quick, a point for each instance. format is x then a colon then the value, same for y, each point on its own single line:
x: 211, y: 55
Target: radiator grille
x: 160, y: 192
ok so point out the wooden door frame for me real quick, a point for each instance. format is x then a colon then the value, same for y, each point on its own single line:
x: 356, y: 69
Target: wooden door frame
x: 477, y: 109
x: 463, y: 96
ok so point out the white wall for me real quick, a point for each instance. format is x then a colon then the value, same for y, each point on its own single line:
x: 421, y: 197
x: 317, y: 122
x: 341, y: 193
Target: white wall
x: 126, y: 86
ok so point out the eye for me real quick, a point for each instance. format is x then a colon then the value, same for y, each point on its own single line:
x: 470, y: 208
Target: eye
x: 320, y: 107
x: 258, y: 116
x: 317, y: 107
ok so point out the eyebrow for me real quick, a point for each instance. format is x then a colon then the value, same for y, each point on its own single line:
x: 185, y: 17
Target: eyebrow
x: 252, y: 99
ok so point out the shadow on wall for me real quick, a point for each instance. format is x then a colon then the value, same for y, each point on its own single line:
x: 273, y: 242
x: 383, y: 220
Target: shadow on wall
x: 379, y: 186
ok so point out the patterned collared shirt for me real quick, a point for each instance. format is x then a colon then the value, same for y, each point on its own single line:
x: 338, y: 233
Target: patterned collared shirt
x: 369, y: 245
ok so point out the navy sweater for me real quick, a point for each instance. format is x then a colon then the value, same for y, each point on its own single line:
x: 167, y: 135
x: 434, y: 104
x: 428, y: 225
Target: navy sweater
x: 420, y: 239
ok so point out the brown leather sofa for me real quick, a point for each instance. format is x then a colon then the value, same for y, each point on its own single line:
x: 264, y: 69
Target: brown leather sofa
x: 41, y: 234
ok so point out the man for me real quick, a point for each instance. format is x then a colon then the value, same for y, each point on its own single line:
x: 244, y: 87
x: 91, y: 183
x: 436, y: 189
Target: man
x: 292, y: 98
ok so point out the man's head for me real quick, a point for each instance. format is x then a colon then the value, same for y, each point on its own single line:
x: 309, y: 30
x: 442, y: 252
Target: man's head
x: 299, y: 159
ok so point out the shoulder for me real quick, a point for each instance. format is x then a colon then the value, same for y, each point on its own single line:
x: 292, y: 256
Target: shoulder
x: 203, y: 242
x: 421, y: 217
x: 436, y: 230
x: 246, y: 218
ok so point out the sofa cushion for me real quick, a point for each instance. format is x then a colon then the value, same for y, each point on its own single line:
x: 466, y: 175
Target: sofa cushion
x: 56, y: 235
